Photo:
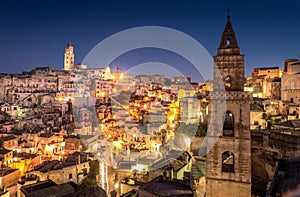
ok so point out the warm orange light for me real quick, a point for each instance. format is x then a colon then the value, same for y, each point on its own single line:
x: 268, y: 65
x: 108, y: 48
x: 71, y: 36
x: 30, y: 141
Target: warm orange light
x: 171, y: 118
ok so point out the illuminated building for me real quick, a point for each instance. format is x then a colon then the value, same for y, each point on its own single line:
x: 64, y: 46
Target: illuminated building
x: 10, y: 142
x: 74, y: 168
x: 290, y: 87
x: 69, y: 57
x: 270, y: 72
x: 6, y: 156
x: 9, y: 179
x: 24, y: 162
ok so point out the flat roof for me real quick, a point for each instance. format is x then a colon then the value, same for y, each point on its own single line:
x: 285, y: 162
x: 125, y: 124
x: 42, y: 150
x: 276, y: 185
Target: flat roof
x: 174, y: 188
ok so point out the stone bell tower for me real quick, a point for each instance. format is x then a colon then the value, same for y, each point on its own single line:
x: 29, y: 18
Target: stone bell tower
x: 69, y: 57
x: 228, y: 164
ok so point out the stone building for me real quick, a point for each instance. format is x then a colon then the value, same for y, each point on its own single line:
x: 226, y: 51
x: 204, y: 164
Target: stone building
x: 9, y: 179
x: 75, y: 168
x: 290, y: 86
x: 265, y: 82
x: 6, y: 156
x: 73, y: 144
x: 5, y: 84
x: 69, y: 57
x: 256, y: 120
x: 189, y: 109
x: 9, y: 142
x: 158, y: 186
x: 25, y: 162
x: 146, y: 79
x: 270, y: 72
x: 228, y: 165
x: 48, y: 188
x: 291, y: 66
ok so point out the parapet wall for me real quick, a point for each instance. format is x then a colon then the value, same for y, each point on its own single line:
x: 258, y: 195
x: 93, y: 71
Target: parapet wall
x: 230, y: 95
x: 285, y: 142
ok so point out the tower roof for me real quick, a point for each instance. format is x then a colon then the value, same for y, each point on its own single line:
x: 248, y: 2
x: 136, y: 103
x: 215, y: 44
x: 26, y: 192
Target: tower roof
x: 228, y: 27
x: 69, y: 43
x: 228, y: 44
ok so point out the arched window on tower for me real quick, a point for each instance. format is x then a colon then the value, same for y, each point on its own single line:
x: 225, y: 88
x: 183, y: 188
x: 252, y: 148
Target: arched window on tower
x: 228, y: 127
x: 227, y: 162
x: 228, y: 42
x: 228, y: 82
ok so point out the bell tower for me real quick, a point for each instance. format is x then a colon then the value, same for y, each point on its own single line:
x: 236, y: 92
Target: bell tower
x: 228, y: 164
x: 69, y: 57
x: 229, y: 61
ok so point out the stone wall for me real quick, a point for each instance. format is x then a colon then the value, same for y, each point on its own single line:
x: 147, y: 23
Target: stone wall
x: 11, y: 178
x: 220, y: 188
x: 285, y: 143
x: 74, y: 173
x: 268, y: 146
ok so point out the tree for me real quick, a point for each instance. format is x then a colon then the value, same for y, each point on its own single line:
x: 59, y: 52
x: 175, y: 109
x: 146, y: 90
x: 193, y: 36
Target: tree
x: 91, y: 189
x: 94, y: 169
x: 268, y: 120
x: 202, y: 129
x: 265, y: 116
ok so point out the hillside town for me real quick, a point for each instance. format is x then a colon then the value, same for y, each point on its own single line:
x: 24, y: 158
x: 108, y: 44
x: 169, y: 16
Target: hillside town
x: 81, y: 131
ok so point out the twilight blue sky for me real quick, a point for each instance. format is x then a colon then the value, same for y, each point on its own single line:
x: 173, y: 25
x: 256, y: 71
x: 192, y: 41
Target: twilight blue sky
x: 34, y: 33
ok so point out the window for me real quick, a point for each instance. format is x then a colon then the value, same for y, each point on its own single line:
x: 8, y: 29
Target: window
x: 228, y: 82
x: 228, y: 42
x: 228, y: 127
x: 255, y: 122
x: 70, y: 176
x: 227, y: 162
x: 293, y: 85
